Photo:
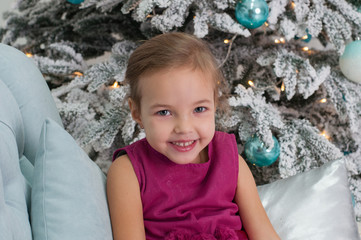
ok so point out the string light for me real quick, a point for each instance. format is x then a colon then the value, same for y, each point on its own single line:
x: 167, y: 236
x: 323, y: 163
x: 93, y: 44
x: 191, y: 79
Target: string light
x: 293, y: 5
x: 304, y: 37
x: 226, y: 41
x: 306, y: 49
x: 77, y: 74
x: 324, y: 134
x: 283, y: 87
x: 29, y: 54
x: 266, y: 24
x: 115, y: 85
x: 323, y: 100
x: 281, y: 40
x: 250, y: 82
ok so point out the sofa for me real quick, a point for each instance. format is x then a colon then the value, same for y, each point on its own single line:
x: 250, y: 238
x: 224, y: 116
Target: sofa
x: 50, y: 189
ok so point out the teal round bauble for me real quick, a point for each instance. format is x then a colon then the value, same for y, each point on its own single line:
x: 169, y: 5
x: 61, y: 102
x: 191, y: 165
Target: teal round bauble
x: 251, y: 13
x: 75, y: 1
x: 350, y: 61
x: 258, y: 154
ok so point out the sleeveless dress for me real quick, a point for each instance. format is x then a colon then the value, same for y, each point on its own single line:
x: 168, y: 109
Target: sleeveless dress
x: 188, y: 201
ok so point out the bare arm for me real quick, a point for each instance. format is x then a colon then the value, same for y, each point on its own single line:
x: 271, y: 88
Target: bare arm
x: 125, y: 205
x: 253, y: 215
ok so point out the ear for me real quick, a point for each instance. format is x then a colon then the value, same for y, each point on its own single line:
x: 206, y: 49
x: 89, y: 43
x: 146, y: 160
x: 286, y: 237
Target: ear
x: 135, y: 111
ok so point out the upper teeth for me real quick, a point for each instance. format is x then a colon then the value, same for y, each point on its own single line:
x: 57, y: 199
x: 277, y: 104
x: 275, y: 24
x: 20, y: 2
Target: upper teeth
x: 183, y: 144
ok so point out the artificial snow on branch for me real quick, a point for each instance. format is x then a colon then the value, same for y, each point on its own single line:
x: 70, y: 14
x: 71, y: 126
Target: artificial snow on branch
x: 69, y: 62
x: 298, y: 74
x: 345, y: 95
x: 303, y: 148
x: 264, y: 114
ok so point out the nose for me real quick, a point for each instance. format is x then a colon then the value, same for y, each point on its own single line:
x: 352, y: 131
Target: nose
x: 183, y: 125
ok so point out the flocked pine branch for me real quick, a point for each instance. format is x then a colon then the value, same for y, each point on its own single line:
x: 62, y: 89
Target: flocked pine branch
x: 346, y: 97
x: 69, y: 62
x: 303, y: 148
x: 277, y: 8
x: 298, y: 75
x: 310, y: 15
x: 264, y: 114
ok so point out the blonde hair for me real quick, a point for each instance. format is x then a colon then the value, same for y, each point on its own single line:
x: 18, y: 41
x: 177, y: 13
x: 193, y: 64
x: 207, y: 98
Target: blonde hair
x: 174, y: 50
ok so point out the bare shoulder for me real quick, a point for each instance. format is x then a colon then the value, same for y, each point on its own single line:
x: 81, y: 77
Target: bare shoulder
x: 242, y: 162
x: 122, y: 163
x: 121, y: 178
x: 121, y: 175
x: 124, y: 200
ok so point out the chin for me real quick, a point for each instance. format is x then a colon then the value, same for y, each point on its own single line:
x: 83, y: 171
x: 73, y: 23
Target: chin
x: 184, y: 160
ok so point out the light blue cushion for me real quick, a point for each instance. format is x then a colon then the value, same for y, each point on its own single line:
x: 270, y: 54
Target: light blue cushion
x: 14, y: 218
x: 27, y: 170
x: 10, y: 115
x: 314, y: 205
x: 68, y: 190
x: 27, y: 85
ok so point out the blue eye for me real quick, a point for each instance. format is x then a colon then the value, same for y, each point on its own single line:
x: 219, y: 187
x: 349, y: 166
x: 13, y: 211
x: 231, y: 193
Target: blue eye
x: 200, y: 109
x: 163, y: 113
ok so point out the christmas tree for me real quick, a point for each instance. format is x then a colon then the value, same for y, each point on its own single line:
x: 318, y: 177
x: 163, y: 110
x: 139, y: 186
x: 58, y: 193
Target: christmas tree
x: 293, y: 69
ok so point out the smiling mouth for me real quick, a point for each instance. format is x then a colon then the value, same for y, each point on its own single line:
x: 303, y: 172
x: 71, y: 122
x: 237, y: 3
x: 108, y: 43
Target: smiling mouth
x: 183, y: 144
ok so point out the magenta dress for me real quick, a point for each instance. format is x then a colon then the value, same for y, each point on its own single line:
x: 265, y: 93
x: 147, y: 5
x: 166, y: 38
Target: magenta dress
x: 190, y: 201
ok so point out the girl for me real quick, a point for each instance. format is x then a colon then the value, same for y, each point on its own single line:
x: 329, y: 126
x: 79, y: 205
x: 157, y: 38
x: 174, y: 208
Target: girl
x: 184, y: 180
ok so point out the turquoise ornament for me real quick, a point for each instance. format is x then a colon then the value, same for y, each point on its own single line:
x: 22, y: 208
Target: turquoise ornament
x: 258, y: 154
x: 350, y: 61
x: 251, y: 13
x: 75, y: 1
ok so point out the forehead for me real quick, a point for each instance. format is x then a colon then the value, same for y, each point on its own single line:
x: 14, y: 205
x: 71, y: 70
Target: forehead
x: 176, y: 84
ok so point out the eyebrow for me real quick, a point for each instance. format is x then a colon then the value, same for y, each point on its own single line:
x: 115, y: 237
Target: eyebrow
x: 203, y: 101
x: 159, y: 105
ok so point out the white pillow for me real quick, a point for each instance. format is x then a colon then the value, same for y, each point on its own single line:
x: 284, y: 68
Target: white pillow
x: 315, y: 205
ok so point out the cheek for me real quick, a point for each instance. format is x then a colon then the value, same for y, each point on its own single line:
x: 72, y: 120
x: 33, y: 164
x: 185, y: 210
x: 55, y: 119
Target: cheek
x: 155, y: 129
x: 207, y: 125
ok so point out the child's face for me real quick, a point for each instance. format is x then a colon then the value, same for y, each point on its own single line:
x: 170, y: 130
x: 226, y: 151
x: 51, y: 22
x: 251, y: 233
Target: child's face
x: 177, y: 111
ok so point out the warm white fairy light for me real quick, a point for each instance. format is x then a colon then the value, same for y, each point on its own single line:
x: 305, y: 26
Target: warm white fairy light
x: 325, y: 134
x: 115, y: 85
x: 306, y: 49
x: 250, y: 82
x: 226, y: 41
x: 293, y: 5
x: 283, y: 87
x: 304, y: 37
x: 280, y: 40
x: 29, y: 54
x: 323, y: 100
x: 77, y: 74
